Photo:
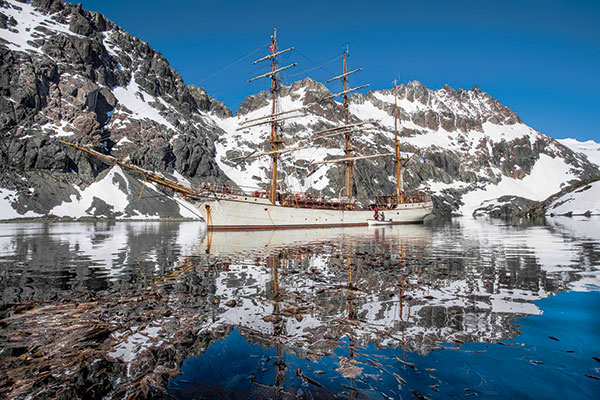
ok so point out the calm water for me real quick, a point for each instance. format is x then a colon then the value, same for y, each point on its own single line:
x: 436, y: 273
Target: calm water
x: 467, y: 308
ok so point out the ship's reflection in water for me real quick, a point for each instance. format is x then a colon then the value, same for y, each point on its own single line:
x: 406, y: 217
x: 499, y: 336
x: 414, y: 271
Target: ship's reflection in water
x: 453, y: 310
x: 394, y: 312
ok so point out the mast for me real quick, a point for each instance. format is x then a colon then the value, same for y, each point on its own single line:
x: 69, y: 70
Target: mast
x: 347, y: 150
x: 274, y: 143
x: 348, y: 133
x: 274, y: 140
x: 348, y: 129
x: 399, y: 175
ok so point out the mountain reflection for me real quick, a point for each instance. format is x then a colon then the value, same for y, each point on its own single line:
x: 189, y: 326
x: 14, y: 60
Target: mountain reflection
x: 413, y: 286
x: 47, y: 260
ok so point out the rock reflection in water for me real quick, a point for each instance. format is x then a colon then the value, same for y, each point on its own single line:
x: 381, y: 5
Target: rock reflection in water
x: 45, y: 260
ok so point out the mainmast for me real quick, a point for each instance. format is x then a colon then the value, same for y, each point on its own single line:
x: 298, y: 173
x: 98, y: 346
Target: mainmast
x: 348, y: 159
x: 274, y: 117
x: 399, y: 175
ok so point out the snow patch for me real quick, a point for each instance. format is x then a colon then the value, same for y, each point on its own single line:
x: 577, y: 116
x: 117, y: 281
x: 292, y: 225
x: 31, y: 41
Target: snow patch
x: 7, y: 198
x: 546, y: 178
x: 579, y: 201
x: 80, y: 205
x: 134, y: 99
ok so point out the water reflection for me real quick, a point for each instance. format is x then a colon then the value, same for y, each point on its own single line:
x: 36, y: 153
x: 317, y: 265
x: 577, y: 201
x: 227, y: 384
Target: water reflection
x: 46, y: 260
x: 315, y: 299
x: 461, y: 282
x: 410, y: 288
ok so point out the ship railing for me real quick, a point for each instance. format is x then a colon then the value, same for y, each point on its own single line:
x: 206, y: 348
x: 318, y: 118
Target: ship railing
x: 407, y: 197
x: 226, y: 188
x: 308, y: 200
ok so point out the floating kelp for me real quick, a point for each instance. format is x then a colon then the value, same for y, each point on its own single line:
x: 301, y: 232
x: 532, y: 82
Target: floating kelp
x: 129, y: 345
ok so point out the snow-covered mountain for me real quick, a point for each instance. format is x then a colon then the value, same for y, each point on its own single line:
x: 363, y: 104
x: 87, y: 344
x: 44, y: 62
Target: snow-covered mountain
x: 473, y: 148
x: 584, y: 200
x: 580, y: 198
x: 71, y: 74
x: 590, y: 148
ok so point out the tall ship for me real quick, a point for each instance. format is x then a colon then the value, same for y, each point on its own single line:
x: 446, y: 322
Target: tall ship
x: 229, y: 207
x: 232, y: 207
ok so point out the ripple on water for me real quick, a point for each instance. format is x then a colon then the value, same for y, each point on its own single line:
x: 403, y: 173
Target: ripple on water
x: 374, y: 312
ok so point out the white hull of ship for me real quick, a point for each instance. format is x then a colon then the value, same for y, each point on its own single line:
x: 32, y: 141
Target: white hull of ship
x: 378, y: 222
x: 241, y: 212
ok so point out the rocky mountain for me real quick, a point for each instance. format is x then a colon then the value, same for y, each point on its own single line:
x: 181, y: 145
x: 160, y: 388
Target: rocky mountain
x: 472, y: 149
x: 71, y: 74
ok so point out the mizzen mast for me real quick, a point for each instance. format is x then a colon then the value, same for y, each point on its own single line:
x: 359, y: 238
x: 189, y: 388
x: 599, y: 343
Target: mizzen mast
x: 275, y: 141
x: 400, y: 160
x: 399, y: 177
x: 347, y: 150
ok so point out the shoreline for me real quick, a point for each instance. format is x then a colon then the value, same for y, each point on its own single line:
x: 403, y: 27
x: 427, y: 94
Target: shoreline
x: 97, y: 219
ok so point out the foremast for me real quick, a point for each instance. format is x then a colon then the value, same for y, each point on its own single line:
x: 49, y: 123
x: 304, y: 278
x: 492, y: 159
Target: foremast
x: 274, y: 118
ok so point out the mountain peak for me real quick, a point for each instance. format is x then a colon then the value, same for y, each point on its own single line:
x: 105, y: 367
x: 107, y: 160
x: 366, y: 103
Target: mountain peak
x: 414, y: 84
x: 449, y: 89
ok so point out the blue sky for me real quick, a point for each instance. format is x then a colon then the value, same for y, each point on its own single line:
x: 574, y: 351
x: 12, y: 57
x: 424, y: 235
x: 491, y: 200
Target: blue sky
x: 540, y: 58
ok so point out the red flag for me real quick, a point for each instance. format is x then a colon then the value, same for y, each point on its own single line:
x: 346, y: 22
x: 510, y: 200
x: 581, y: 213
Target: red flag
x: 272, y: 48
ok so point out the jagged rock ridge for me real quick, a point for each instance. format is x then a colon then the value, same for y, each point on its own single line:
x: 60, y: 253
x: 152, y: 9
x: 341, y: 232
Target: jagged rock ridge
x: 67, y: 73
x: 71, y: 74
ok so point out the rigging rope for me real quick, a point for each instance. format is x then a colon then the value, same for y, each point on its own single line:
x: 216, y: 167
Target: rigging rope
x: 316, y: 67
x: 233, y: 63
x: 315, y: 63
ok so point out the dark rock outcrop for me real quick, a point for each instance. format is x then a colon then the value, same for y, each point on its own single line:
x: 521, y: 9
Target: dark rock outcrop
x: 504, y: 207
x: 96, y: 87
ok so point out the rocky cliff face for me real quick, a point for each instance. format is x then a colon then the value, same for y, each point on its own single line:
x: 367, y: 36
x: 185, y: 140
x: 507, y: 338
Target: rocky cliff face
x: 71, y: 74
